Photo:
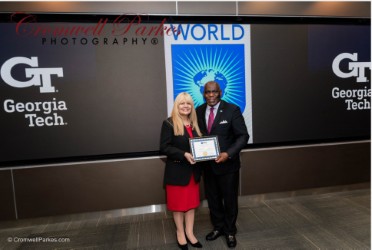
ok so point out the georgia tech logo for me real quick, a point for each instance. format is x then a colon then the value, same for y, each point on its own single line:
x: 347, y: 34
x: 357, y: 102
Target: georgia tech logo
x: 357, y: 69
x: 39, y: 76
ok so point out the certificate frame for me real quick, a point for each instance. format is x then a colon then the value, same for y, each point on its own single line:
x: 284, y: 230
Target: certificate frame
x: 204, y: 148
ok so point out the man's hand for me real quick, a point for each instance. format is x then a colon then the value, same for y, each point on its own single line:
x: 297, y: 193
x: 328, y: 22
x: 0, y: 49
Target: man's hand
x: 222, y: 157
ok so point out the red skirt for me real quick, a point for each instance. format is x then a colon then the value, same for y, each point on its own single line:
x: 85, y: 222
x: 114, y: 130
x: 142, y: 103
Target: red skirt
x: 183, y: 198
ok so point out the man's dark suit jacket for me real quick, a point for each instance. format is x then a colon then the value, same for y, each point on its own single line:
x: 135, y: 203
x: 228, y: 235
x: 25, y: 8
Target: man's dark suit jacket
x: 178, y: 170
x: 230, y: 128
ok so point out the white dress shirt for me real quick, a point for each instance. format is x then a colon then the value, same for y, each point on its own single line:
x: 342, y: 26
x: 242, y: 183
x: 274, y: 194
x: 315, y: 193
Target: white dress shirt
x: 208, y: 110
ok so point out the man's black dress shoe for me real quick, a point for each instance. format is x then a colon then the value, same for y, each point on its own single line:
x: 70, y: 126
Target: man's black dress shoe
x: 196, y: 244
x: 231, y: 241
x: 213, y: 235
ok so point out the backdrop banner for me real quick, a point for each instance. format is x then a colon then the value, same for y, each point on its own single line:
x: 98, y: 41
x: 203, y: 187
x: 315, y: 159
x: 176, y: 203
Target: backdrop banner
x: 103, y: 87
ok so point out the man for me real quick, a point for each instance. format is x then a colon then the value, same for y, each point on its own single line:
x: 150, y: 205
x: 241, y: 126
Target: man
x: 221, y: 177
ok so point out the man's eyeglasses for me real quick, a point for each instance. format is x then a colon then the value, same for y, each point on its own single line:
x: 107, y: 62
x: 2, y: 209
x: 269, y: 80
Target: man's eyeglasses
x: 211, y: 92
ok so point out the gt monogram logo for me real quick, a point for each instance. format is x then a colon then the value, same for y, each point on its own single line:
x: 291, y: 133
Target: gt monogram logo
x: 357, y: 69
x: 39, y: 76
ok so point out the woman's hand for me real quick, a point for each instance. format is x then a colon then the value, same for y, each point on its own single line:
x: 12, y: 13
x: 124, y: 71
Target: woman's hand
x: 189, y: 158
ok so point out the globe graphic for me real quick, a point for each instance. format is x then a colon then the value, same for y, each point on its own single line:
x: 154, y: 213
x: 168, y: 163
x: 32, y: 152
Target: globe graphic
x: 204, y: 76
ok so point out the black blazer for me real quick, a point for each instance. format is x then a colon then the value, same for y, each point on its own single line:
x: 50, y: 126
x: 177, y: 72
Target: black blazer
x: 178, y: 170
x: 230, y: 128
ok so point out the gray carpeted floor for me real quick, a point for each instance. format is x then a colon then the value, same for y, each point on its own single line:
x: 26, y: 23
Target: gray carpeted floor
x: 335, y: 220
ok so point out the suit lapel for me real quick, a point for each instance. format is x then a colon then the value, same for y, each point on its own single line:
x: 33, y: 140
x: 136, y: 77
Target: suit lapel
x: 185, y: 133
x: 194, y: 133
x: 218, y: 115
x: 204, y: 124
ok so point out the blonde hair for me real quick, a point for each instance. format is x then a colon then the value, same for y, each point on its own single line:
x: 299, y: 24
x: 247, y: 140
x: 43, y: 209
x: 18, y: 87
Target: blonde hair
x: 178, y: 127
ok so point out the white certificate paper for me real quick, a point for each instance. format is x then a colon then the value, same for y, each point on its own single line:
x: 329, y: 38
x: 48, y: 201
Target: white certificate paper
x: 204, y: 148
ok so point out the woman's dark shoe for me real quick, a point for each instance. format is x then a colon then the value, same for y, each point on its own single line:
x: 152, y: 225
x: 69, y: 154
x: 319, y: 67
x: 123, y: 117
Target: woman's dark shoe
x: 183, y: 247
x: 196, y: 244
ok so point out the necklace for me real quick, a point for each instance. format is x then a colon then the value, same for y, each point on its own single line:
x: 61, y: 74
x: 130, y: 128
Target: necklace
x: 186, y: 121
x: 187, y: 124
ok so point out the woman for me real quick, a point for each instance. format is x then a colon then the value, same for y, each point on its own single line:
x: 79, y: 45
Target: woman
x: 182, y: 174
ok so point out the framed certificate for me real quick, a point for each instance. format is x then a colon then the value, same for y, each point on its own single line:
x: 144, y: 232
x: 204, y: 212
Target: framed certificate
x: 204, y: 148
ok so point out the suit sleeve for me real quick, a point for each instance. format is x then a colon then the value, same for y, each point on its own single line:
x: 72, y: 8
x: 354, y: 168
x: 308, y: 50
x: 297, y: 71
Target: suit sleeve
x: 166, y: 146
x: 240, y: 132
